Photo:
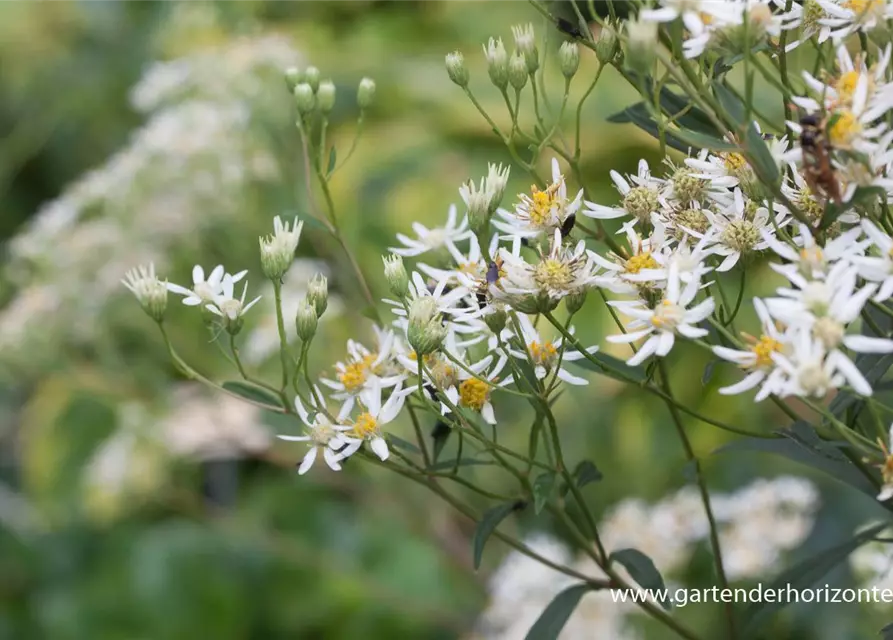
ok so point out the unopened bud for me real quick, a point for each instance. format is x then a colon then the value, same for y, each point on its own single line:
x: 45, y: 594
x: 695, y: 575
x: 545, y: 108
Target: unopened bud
x: 607, y: 45
x: 497, y: 179
x: 365, y: 93
x: 318, y: 293
x: 497, y: 63
x: 293, y: 77
x: 477, y: 200
x: 325, y: 96
x: 569, y: 57
x: 277, y: 250
x: 640, y: 45
x: 574, y: 302
x: 495, y: 320
x: 425, y: 329
x: 396, y: 276
x: 455, y: 66
x: 150, y: 292
x: 311, y: 77
x: 304, y: 98
x: 306, y: 320
x: 517, y: 71
x: 525, y: 42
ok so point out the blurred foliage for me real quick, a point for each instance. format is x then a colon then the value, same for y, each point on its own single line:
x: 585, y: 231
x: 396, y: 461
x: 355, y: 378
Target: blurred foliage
x: 360, y: 554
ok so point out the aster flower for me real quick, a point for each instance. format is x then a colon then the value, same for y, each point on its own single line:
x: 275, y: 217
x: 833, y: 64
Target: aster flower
x: 150, y: 292
x: 638, y: 268
x: 473, y: 391
x: 668, y: 317
x: 811, y: 259
x: 367, y: 426
x: 468, y: 269
x: 642, y: 197
x: 739, y: 230
x: 323, y: 435
x: 545, y: 353
x: 277, y: 251
x: 756, y: 360
x: 448, y: 300
x: 204, y: 291
x: 434, y: 238
x: 541, y: 211
x: 877, y: 268
x: 563, y: 271
x: 226, y: 305
x: 807, y: 16
x: 364, y: 368
x: 850, y: 16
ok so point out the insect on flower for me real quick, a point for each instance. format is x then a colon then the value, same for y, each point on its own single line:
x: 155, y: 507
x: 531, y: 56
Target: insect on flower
x: 819, y: 172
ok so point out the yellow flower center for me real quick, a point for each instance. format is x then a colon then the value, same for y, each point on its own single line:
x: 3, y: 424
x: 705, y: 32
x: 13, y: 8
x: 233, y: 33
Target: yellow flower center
x: 846, y: 85
x: 543, y: 353
x: 541, y: 209
x: 734, y: 162
x: 667, y: 315
x: 641, y: 261
x: 474, y: 393
x: 365, y: 425
x: 863, y: 7
x: 763, y: 350
x: 846, y: 126
x: 553, y: 273
x: 355, y: 373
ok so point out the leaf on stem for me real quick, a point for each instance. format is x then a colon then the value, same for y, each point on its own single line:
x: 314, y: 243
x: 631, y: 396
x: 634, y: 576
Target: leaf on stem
x: 612, y: 367
x: 489, y: 521
x: 805, y: 574
x: 553, y: 618
x: 400, y: 443
x: 254, y: 393
x: 642, y: 570
x: 542, y: 490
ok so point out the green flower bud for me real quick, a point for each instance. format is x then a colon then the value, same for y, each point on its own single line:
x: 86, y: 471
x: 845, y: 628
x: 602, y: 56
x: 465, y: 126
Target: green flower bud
x: 293, y: 77
x: 306, y: 320
x: 425, y: 331
x: 517, y: 71
x: 497, y: 63
x: 569, y: 57
x: 574, y: 302
x: 455, y: 65
x: 525, y: 42
x: 311, y: 77
x: 318, y: 293
x: 606, y: 46
x: 365, y: 93
x: 496, y: 319
x: 396, y: 276
x: 304, y: 98
x: 325, y: 96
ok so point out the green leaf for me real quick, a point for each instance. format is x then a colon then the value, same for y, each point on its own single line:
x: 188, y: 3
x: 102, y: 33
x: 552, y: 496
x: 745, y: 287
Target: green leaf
x: 400, y: 443
x: 802, y: 444
x: 556, y: 614
x: 804, y: 575
x: 639, y: 115
x: 612, y: 367
x: 760, y: 157
x: 586, y: 472
x: 333, y: 156
x: 861, y: 196
x: 542, y: 490
x: 642, y: 570
x: 439, y: 436
x: 730, y: 103
x: 254, y: 393
x: 887, y: 632
x: 706, y: 141
x: 489, y: 521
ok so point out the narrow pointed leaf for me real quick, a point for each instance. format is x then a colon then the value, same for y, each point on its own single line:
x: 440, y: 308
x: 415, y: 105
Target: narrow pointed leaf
x: 489, y: 521
x: 254, y: 393
x: 542, y: 490
x: 553, y: 618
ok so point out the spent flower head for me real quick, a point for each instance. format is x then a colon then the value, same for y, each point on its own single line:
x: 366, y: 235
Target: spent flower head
x: 277, y: 250
x: 150, y: 292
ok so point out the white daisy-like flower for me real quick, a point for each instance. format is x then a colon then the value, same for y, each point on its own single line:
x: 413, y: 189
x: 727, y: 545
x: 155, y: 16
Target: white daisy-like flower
x: 468, y: 268
x: 434, y: 238
x: 364, y: 368
x: 813, y: 260
x: 841, y: 90
x: 846, y: 17
x: 565, y: 270
x: 806, y: 15
x: 204, y: 290
x: 624, y: 274
x: 323, y: 435
x: 367, y: 426
x: 877, y: 268
x: 150, y: 292
x: 756, y: 360
x: 739, y: 230
x: 226, y: 305
x: 692, y: 13
x: 541, y: 211
x: 809, y: 369
x: 642, y: 197
x: 473, y: 391
x: 668, y: 317
x: 453, y: 301
x: 546, y: 355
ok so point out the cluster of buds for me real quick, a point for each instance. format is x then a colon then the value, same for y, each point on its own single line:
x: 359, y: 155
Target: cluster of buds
x: 314, y: 95
x: 484, y: 199
x: 311, y: 308
x: 514, y: 70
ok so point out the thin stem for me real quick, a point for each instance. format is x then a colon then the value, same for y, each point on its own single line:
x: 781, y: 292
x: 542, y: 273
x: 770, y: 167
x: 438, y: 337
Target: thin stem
x: 283, y: 337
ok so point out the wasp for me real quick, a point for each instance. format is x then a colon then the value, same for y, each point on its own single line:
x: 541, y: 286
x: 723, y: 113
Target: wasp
x: 818, y: 170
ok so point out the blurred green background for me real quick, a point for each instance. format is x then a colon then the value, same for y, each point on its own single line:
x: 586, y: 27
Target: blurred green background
x: 134, y: 506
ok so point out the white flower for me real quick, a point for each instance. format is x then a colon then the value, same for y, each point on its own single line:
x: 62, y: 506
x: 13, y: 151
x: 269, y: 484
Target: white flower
x: 148, y: 289
x: 813, y: 260
x: 473, y: 391
x: 877, y: 268
x: 277, y: 251
x: 641, y: 197
x: 668, y: 317
x: 323, y: 435
x: 226, y: 305
x: 542, y: 211
x: 204, y: 291
x: 546, y: 355
x: 757, y: 359
x: 468, y: 270
x: 435, y: 238
x: 738, y: 231
x: 367, y: 426
x: 364, y: 368
x: 849, y: 16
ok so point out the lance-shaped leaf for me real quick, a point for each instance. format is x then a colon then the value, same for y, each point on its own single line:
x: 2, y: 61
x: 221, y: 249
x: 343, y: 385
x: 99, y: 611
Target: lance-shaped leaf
x: 254, y: 393
x: 489, y: 521
x: 553, y: 618
x: 643, y: 571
